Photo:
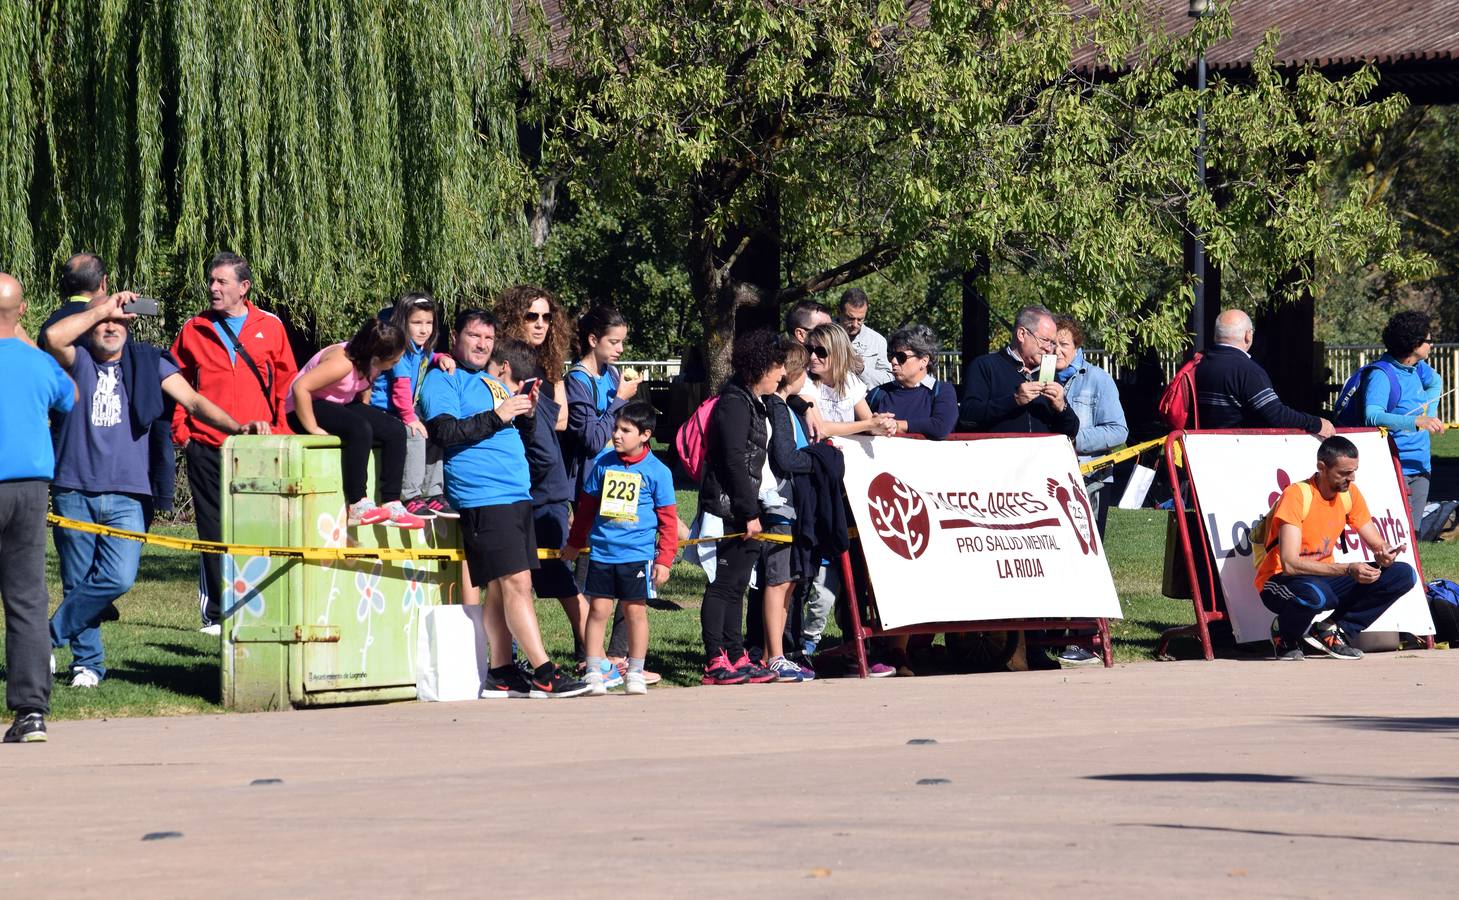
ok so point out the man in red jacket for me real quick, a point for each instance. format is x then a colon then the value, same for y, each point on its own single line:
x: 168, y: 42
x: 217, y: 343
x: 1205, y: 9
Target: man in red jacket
x: 239, y: 357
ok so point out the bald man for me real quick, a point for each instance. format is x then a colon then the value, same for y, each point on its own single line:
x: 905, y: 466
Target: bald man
x: 1234, y: 391
x: 34, y: 386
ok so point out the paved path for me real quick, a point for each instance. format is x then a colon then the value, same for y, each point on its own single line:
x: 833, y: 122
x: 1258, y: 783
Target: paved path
x: 1182, y: 779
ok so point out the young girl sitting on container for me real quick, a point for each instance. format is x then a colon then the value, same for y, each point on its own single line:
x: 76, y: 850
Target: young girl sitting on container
x: 397, y: 391
x: 330, y: 396
x: 628, y: 502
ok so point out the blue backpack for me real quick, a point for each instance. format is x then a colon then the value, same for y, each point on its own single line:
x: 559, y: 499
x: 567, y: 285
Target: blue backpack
x: 1443, y: 596
x: 1347, y: 412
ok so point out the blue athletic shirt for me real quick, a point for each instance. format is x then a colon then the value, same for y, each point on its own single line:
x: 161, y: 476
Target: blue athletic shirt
x: 619, y: 540
x: 408, y: 367
x: 34, y: 385
x: 492, y: 471
x: 235, y: 325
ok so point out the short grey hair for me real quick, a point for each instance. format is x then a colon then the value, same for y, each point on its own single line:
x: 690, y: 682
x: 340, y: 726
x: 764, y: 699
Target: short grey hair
x: 1234, y: 327
x: 919, y: 339
x: 1028, y: 319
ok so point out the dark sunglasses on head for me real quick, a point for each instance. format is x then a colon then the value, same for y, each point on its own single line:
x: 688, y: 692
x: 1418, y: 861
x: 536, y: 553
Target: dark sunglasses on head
x: 901, y: 356
x: 536, y: 317
x: 820, y: 352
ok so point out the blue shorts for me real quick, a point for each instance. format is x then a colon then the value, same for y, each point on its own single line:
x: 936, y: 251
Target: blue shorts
x: 621, y: 581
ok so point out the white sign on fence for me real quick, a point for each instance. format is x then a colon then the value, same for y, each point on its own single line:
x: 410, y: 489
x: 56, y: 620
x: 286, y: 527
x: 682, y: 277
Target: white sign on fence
x: 1238, y: 478
x: 976, y: 530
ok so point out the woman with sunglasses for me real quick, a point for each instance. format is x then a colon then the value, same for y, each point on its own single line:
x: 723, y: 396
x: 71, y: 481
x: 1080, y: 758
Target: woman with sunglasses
x: 918, y: 402
x: 532, y: 315
x: 841, y: 395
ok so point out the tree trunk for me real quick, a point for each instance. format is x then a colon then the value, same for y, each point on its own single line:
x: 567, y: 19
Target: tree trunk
x: 735, y: 280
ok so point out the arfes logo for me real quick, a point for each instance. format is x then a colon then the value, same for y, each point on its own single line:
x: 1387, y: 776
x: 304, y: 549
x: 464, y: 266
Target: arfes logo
x: 1075, y: 505
x: 899, y: 515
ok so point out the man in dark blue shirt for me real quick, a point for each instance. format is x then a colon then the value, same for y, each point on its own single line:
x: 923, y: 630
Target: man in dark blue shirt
x: 1234, y: 391
x: 1002, y: 393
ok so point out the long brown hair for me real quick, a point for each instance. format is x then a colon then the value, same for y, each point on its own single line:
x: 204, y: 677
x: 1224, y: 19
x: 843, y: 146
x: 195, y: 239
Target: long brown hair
x: 513, y: 305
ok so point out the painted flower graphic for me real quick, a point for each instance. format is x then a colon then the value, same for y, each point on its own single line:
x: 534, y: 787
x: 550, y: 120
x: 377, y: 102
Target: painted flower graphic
x: 332, y: 529
x: 242, y: 584
x: 372, y: 599
x: 414, y: 595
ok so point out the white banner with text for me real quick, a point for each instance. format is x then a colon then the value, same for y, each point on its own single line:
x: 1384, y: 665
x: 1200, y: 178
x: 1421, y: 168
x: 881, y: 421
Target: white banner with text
x: 1238, y: 478
x: 999, y: 528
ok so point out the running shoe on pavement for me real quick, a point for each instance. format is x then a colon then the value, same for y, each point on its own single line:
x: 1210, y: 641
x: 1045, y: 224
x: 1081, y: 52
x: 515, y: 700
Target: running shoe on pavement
x: 785, y: 670
x: 557, y: 686
x: 1075, y: 655
x: 612, y: 676
x: 594, y: 681
x: 758, y: 673
x: 1329, y: 639
x: 880, y: 670
x: 508, y: 681
x: 719, y: 671
x: 634, y: 683
x: 1283, y: 650
x: 650, y: 678
x: 29, y: 728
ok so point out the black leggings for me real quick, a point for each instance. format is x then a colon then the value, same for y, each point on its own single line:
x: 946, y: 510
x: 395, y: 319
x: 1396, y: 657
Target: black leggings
x: 359, y: 428
x: 722, y: 614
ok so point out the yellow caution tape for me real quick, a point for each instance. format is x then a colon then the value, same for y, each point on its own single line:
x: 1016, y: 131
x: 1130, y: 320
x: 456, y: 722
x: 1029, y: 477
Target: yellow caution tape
x: 1119, y: 456
x: 328, y: 554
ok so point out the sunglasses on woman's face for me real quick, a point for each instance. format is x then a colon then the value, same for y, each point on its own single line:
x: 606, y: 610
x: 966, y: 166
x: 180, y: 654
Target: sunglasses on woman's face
x: 536, y: 316
x: 819, y: 352
x: 901, y: 357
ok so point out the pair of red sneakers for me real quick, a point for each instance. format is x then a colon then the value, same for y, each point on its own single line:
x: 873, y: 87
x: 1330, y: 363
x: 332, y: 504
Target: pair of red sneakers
x: 744, y: 670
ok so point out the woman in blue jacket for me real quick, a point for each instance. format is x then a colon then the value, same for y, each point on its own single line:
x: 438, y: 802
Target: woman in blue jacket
x: 1401, y: 393
x: 1092, y: 394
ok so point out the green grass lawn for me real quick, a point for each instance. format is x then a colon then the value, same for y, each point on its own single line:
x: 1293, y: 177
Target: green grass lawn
x: 161, y: 665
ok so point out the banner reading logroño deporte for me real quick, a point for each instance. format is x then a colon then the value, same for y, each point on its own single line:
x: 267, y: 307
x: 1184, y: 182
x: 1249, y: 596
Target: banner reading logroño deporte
x: 972, y: 530
x: 1238, y: 478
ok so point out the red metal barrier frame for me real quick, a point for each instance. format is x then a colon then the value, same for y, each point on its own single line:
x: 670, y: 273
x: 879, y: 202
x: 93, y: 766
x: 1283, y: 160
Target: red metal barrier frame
x: 1204, y: 616
x: 861, y: 632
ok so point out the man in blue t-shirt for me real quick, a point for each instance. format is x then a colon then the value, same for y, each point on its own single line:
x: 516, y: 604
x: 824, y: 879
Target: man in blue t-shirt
x: 34, y: 387
x: 470, y: 414
x: 103, y: 465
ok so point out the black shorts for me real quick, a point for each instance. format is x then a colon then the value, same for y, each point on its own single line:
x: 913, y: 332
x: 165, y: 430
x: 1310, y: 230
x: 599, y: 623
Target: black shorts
x: 775, y: 559
x: 498, y: 540
x: 621, y: 581
x: 554, y: 578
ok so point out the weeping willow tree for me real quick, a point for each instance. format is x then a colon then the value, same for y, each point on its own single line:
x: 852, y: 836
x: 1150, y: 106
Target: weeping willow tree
x: 348, y: 148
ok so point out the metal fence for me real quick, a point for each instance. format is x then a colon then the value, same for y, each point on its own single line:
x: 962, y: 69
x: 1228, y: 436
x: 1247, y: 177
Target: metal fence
x: 1341, y: 360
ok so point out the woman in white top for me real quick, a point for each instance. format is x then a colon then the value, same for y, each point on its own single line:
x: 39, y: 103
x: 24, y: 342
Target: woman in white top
x: 841, y: 396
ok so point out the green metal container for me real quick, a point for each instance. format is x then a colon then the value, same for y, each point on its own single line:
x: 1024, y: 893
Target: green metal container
x: 299, y: 633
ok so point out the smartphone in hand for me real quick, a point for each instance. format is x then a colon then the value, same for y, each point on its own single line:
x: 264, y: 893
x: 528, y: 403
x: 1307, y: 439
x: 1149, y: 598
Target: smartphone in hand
x: 526, y: 387
x: 1047, y: 365
x: 141, y: 306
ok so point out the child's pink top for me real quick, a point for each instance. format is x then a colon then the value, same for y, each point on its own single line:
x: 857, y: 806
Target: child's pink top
x: 342, y: 392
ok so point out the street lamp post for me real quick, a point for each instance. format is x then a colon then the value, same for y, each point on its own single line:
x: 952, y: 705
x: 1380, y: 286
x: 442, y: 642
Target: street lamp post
x: 1197, y: 9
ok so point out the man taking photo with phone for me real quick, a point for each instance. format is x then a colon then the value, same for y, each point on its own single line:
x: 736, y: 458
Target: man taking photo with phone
x: 1297, y: 578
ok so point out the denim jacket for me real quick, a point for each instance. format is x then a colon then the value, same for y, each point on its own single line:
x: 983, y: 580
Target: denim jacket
x: 1093, y: 396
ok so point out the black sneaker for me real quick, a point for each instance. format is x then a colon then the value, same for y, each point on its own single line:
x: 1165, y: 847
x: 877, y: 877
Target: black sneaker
x: 505, y: 682
x: 1281, y: 649
x: 29, y: 728
x: 1329, y: 639
x: 557, y: 686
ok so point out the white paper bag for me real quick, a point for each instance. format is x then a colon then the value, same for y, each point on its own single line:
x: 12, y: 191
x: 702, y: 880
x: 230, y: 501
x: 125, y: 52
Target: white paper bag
x: 705, y: 525
x: 1141, y: 477
x: 451, y: 656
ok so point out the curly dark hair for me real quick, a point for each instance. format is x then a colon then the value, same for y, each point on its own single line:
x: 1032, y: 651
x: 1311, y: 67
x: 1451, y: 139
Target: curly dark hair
x: 1405, y: 333
x: 754, y: 354
x: 511, y: 308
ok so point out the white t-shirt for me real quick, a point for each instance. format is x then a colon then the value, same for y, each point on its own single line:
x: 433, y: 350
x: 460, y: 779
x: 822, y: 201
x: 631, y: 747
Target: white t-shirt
x: 840, y: 406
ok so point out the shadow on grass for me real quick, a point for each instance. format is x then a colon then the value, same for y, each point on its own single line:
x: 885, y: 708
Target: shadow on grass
x: 168, y: 567
x: 185, y: 650
x: 188, y: 680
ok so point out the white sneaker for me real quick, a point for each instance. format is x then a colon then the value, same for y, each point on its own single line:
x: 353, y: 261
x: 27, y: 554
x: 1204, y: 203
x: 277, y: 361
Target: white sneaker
x: 53, y: 663
x: 214, y: 629
x: 85, y: 678
x: 634, y: 683
x: 594, y: 681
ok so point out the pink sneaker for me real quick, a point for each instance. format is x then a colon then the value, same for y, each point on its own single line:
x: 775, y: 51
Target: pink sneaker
x: 365, y: 512
x: 441, y: 508
x: 757, y: 673
x: 417, y: 506
x: 719, y: 671
x: 400, y: 518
